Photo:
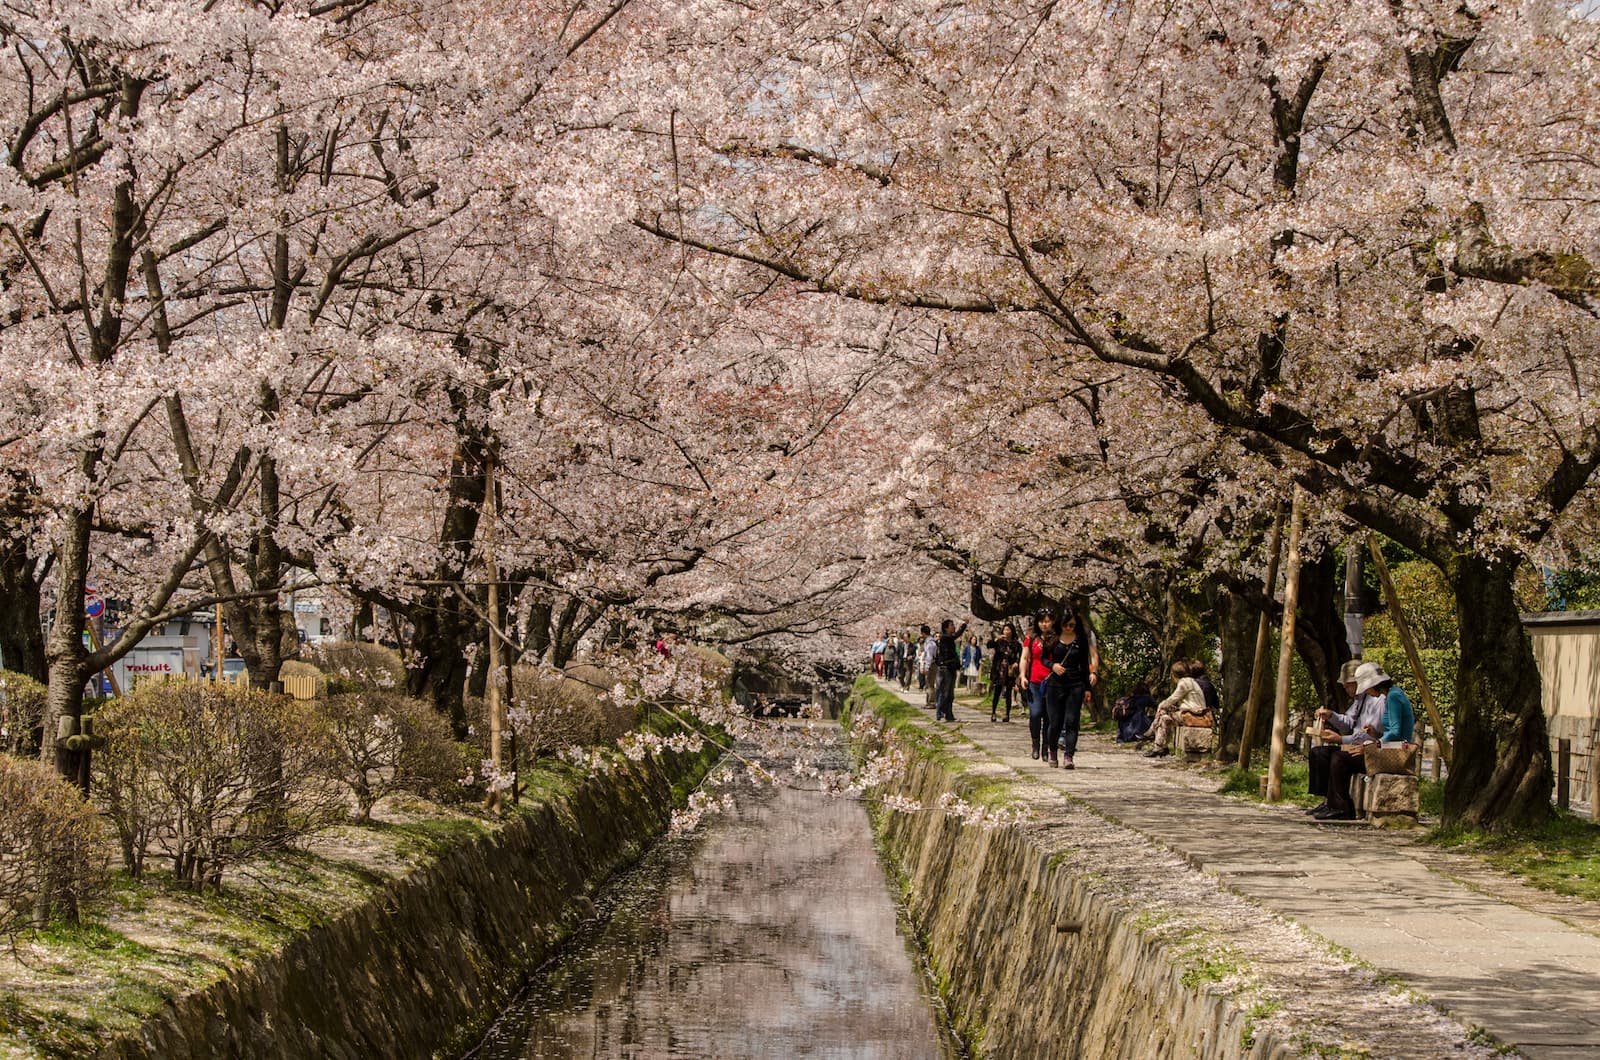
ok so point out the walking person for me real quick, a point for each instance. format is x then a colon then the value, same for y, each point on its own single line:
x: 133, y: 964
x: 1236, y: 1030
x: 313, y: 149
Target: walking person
x: 1033, y: 671
x: 877, y: 656
x: 909, y: 650
x: 1072, y: 670
x: 947, y: 660
x: 930, y: 644
x: 1004, y: 652
x: 891, y: 656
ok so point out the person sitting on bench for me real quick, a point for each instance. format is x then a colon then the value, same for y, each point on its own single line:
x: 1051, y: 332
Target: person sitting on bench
x: 1396, y: 725
x: 1187, y: 698
x: 1340, y: 730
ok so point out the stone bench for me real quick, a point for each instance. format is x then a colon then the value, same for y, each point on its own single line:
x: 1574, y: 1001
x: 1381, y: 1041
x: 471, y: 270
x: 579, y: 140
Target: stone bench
x: 1387, y: 800
x: 1192, y: 741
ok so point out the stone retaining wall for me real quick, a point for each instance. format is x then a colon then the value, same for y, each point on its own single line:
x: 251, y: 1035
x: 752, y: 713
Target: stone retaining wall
x: 1071, y: 935
x: 1035, y: 961
x: 421, y: 969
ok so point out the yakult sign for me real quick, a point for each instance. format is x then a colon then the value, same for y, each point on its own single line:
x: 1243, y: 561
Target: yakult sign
x: 144, y: 664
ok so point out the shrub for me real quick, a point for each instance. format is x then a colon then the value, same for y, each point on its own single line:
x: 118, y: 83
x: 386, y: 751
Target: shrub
x: 212, y: 775
x: 21, y: 712
x: 51, y: 844
x: 550, y: 711
x: 353, y: 666
x: 383, y: 742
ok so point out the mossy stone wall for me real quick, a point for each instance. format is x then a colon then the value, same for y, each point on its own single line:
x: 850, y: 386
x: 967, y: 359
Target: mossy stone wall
x: 1036, y: 957
x: 422, y: 968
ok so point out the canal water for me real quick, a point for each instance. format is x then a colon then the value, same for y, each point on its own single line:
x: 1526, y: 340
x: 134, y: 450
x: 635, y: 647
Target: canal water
x: 769, y: 932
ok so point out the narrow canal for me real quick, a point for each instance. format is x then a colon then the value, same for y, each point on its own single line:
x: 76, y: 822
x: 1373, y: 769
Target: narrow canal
x: 770, y: 932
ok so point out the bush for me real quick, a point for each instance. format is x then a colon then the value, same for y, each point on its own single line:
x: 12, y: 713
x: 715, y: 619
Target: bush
x: 575, y: 708
x: 354, y: 666
x: 21, y: 713
x: 212, y: 775
x: 384, y: 742
x: 51, y: 844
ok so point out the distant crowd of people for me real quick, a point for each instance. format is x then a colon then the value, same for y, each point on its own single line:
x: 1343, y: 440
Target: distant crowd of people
x: 1052, y: 669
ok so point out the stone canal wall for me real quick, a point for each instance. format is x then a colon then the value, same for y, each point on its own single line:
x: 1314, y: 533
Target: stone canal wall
x: 1071, y: 935
x: 1037, y: 957
x: 420, y: 969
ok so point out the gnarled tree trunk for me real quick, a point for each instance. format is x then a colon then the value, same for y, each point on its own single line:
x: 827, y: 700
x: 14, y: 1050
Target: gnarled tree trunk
x: 1500, y: 776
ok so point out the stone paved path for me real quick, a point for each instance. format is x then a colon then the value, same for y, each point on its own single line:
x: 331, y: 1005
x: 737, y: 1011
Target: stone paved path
x: 1521, y: 964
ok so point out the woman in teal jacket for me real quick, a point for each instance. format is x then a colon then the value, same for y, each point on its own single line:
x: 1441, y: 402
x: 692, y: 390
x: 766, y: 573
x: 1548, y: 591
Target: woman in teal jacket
x: 1399, y: 721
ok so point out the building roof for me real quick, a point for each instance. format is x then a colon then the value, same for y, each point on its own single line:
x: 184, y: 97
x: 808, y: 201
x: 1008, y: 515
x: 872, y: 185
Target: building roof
x: 1548, y: 619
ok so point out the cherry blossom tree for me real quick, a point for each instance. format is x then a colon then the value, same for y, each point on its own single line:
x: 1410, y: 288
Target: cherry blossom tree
x: 1356, y: 239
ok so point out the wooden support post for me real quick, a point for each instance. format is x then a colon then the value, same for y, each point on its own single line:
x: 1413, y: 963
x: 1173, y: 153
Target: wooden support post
x: 1291, y: 600
x: 1564, y: 774
x: 111, y: 675
x: 1403, y: 628
x: 1258, y: 667
x: 492, y: 576
x: 1594, y: 772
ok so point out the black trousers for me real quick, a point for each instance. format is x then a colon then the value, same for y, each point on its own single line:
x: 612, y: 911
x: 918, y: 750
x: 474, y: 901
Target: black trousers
x: 1002, y: 687
x: 1063, y: 708
x: 1320, y: 760
x: 1343, y: 766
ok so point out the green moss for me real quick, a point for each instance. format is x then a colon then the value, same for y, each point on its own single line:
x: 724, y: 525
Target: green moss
x: 1260, y: 1010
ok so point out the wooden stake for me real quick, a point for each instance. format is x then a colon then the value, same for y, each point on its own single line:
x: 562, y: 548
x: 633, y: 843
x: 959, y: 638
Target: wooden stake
x: 111, y: 675
x: 1402, y: 627
x: 1263, y: 636
x: 492, y: 574
x: 1291, y: 600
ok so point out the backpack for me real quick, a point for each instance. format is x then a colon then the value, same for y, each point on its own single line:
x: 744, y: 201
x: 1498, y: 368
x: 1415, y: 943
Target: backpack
x: 1209, y: 690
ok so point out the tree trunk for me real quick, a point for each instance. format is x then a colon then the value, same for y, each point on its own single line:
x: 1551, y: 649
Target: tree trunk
x: 21, y: 631
x: 1500, y: 778
x: 66, y: 656
x: 1237, y: 621
x: 436, y: 666
x: 1183, y: 632
x: 1319, y: 632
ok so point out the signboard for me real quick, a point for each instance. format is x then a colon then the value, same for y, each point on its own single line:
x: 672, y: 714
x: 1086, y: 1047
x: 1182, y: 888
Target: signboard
x: 93, y: 606
x: 143, y: 664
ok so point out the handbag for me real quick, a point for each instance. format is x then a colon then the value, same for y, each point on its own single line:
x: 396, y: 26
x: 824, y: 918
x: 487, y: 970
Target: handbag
x: 1399, y: 758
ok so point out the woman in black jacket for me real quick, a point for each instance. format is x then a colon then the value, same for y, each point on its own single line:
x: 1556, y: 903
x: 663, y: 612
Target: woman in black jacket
x: 1004, y: 653
x: 1072, y: 661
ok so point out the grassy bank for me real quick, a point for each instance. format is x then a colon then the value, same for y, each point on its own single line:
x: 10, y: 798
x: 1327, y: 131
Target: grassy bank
x: 936, y: 744
x: 66, y: 990
x: 1563, y: 856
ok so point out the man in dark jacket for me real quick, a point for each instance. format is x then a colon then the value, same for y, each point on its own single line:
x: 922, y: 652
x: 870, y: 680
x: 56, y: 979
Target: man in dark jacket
x: 946, y: 661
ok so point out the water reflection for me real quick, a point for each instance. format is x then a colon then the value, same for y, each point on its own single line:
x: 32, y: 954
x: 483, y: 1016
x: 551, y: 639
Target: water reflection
x: 771, y: 933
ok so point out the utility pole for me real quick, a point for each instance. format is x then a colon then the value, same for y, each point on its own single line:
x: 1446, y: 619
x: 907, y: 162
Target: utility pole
x: 1353, y: 618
